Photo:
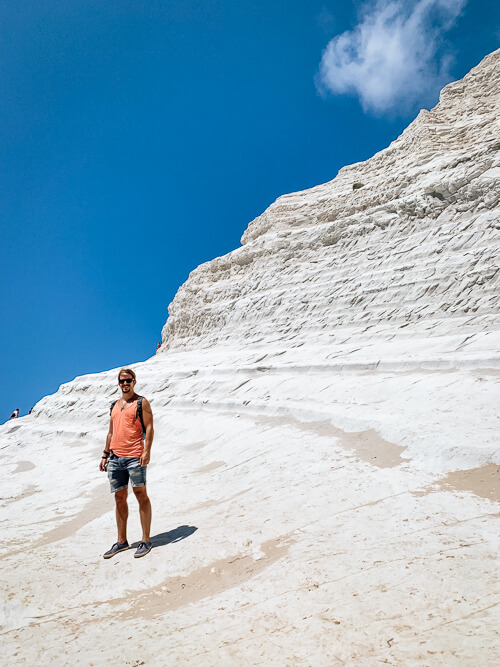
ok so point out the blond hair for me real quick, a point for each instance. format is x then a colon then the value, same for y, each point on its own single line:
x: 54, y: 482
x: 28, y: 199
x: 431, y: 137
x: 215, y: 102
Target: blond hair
x: 127, y: 370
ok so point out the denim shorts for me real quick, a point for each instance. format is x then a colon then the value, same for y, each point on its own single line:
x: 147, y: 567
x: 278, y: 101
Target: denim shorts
x: 121, y: 469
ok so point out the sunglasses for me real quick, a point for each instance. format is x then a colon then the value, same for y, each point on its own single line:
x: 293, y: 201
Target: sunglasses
x: 126, y: 380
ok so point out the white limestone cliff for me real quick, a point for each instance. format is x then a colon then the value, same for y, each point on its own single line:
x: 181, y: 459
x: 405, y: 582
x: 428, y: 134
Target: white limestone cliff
x: 325, y: 472
x: 409, y: 235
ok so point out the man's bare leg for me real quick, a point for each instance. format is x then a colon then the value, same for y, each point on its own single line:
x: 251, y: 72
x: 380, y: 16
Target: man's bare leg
x: 144, y: 511
x: 121, y: 514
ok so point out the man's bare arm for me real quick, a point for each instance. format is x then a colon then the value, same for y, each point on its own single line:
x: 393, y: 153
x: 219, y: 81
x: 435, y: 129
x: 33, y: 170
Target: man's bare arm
x: 147, y: 416
x: 107, y: 448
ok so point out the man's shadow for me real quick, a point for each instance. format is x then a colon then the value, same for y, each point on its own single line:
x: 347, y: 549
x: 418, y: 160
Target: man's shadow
x: 175, y: 535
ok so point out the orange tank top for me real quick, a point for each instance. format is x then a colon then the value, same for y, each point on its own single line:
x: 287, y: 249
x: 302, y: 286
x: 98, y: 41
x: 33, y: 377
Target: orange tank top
x: 127, y: 431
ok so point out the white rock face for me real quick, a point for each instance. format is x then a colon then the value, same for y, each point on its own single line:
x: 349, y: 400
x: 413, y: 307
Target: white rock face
x: 325, y: 472
x: 409, y: 236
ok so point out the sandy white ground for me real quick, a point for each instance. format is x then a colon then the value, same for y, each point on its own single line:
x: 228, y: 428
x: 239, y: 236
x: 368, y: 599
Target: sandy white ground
x: 281, y: 539
x: 325, y: 471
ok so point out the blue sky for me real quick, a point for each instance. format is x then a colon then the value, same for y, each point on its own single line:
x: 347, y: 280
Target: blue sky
x: 138, y: 139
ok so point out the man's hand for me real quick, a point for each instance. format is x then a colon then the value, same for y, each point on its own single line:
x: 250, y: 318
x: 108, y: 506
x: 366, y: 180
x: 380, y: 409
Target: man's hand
x: 102, y: 464
x: 145, y: 458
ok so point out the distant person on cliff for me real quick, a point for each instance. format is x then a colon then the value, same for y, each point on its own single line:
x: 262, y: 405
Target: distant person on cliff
x: 15, y: 414
x: 126, y: 456
x: 157, y: 348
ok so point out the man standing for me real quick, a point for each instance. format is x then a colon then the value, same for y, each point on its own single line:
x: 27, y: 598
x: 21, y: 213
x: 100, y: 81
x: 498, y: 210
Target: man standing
x: 128, y: 448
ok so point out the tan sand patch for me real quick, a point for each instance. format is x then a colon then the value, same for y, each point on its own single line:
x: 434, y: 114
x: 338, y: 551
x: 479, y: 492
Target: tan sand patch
x: 483, y: 481
x: 372, y: 448
x: 368, y: 445
x: 98, y: 505
x: 208, y: 581
x: 495, y: 372
x: 211, y: 503
x: 24, y: 466
x: 28, y: 491
x: 193, y: 446
x: 210, y: 466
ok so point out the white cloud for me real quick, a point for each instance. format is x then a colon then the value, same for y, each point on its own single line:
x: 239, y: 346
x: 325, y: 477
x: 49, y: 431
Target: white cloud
x: 394, y: 58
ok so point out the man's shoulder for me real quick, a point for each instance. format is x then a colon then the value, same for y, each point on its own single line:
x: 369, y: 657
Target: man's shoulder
x: 145, y: 403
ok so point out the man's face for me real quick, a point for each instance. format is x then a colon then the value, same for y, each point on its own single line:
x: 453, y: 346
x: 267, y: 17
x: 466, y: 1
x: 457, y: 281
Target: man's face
x: 126, y: 384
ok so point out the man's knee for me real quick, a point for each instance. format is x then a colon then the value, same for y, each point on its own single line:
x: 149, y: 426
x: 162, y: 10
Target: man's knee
x: 140, y: 493
x: 121, y: 497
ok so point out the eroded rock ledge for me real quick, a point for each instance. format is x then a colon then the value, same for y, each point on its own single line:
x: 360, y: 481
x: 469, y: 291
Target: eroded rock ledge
x: 409, y: 236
